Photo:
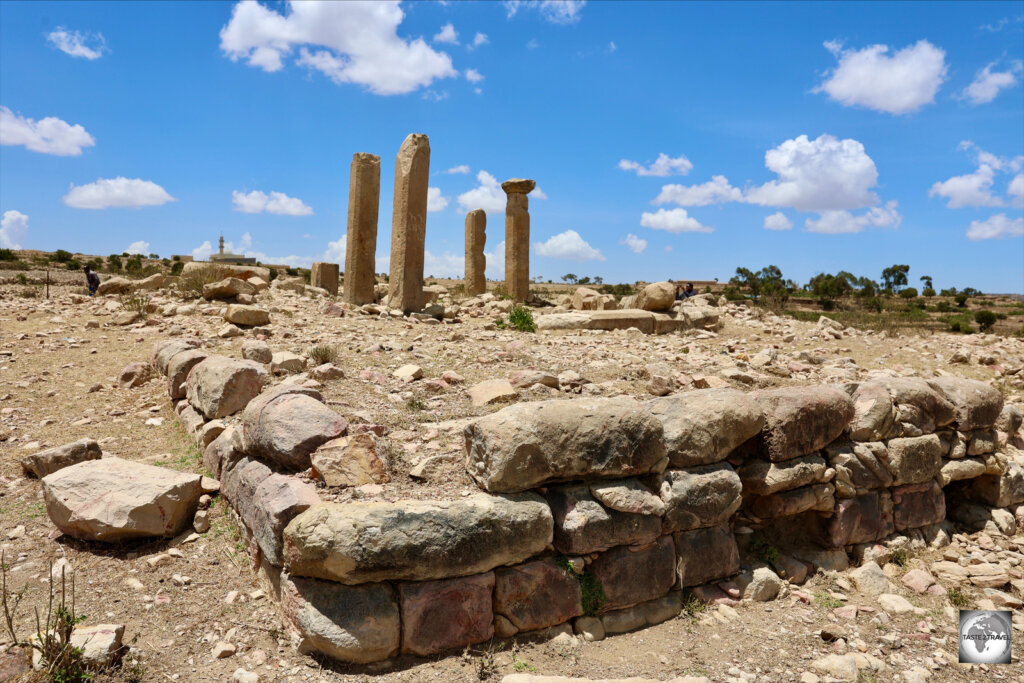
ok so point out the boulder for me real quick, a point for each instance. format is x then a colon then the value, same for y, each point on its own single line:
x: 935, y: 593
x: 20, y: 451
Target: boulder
x: 276, y: 501
x: 698, y: 316
x: 537, y: 594
x: 657, y: 296
x: 155, y: 281
x: 114, y: 500
x: 917, y: 505
x: 221, y: 270
x: 582, y: 525
x: 219, y: 386
x: 529, y: 444
x: 1010, y: 419
x: 629, y: 575
x: 228, y: 288
x: 801, y: 420
x: 135, y: 375
x: 863, y: 519
x: 976, y: 404
x: 870, y: 579
x: 358, y: 624
x: 164, y: 350
x: 705, y: 426
x: 706, y: 555
x: 586, y: 299
x: 957, y: 470
x: 53, y: 459
x: 349, y: 461
x: 699, y: 496
x: 859, y: 467
x: 355, y: 543
x: 250, y: 316
x: 874, y: 415
x: 445, y: 614
x: 919, y: 403
x: 177, y: 369
x: 115, y: 285
x: 765, y: 585
x: 764, y: 477
x: 1000, y: 490
x: 627, y: 495
x: 286, y: 424
x: 916, y: 459
x: 258, y: 351
x: 491, y: 391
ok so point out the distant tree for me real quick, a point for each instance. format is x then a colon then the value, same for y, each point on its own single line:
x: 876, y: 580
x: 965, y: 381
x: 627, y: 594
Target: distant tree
x: 61, y: 256
x: 7, y: 255
x: 177, y: 267
x: 570, y: 278
x: 971, y: 292
x: 927, y: 280
x: 176, y: 258
x: 598, y: 280
x: 985, y: 320
x: 133, y: 265
x: 154, y: 256
x: 895, y: 276
x: 951, y: 291
x: 909, y: 293
x: 961, y: 299
x: 828, y: 288
x: 927, y: 291
x: 584, y: 280
x: 114, y: 263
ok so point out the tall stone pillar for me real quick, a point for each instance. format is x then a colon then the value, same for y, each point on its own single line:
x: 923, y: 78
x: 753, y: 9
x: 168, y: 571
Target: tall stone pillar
x: 517, y: 237
x: 476, y: 262
x: 409, y: 224
x: 361, y: 243
x: 325, y: 275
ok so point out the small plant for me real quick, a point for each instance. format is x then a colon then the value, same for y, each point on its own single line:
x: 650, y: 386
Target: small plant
x: 177, y: 267
x: 114, y: 263
x: 521, y: 665
x: 61, y: 256
x: 900, y: 557
x: 415, y: 403
x: 692, y: 605
x: 985, y: 320
x: 7, y: 255
x: 73, y: 264
x: 135, y: 301
x: 764, y: 550
x: 191, y: 286
x: 958, y: 598
x: 825, y: 600
x: 323, y: 353
x: 133, y: 265
x: 594, y: 597
x: 22, y: 280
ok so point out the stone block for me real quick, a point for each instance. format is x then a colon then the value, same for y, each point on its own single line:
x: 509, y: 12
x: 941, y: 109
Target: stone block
x: 276, y: 501
x: 705, y: 555
x: 875, y: 417
x: 53, y: 459
x: 286, y: 424
x: 1000, y: 490
x: 630, y: 574
x: 819, y: 497
x: 583, y: 525
x: 702, y: 427
x: 801, y: 420
x: 219, y: 386
x: 763, y: 477
x: 916, y: 459
x: 860, y: 467
x: 917, y: 505
x: 862, y: 519
x: 976, y: 404
x: 445, y: 614
x: 537, y: 594
x: 702, y: 496
x: 325, y: 276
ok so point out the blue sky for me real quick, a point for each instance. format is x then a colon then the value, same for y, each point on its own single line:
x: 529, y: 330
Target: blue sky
x: 668, y: 140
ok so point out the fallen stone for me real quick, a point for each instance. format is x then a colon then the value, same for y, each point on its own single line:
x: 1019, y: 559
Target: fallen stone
x: 220, y: 386
x: 250, y: 316
x: 349, y: 461
x: 286, y: 363
x: 53, y: 459
x: 177, y: 369
x: 491, y: 391
x: 870, y: 579
x: 764, y: 586
x: 135, y: 375
x: 228, y: 288
x: 258, y: 351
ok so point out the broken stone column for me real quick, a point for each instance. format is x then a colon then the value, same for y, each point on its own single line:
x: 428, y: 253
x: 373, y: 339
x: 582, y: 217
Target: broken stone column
x: 361, y: 243
x: 517, y: 237
x: 409, y: 224
x: 476, y: 262
x: 325, y: 276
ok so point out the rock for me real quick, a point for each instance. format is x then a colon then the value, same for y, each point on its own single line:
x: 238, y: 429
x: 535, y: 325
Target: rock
x: 915, y: 459
x: 408, y: 373
x: 113, y: 500
x: 1010, y: 419
x: 201, y: 521
x: 445, y: 614
x: 228, y: 288
x: 415, y: 540
x: 250, y: 316
x: 703, y: 427
x: 800, y: 420
x: 222, y: 650
x: 658, y: 296
x: 893, y: 603
x: 870, y: 579
x: 632, y: 574
x: 287, y: 423
x: 874, y: 417
x: 628, y: 495
x: 839, y: 667
x: 258, y: 351
x: 817, y: 497
x: 126, y: 318
x: 918, y: 580
x: 523, y: 379
x: 537, y: 594
x: 115, y: 285
x: 529, y: 444
x: 917, y: 505
x: 357, y: 624
x: 166, y: 349
x: 221, y: 270
x: 705, y: 555
x: 430, y: 468
x: 242, y: 676
x: 859, y: 467
x: 764, y: 477
x: 286, y: 363
x: 699, y: 496
x: 1001, y: 490
x: 562, y: 321
x: 220, y: 451
x: 643, y: 614
x: 327, y: 371
x: 582, y: 525
x: 764, y: 586
x: 956, y: 470
x: 177, y: 369
x: 277, y: 500
x: 586, y: 299
x: 988, y: 575
x: 918, y: 402
x: 349, y: 461
x: 862, y: 519
x: 977, y: 405
x: 219, y: 386
x: 100, y: 643
x: 491, y: 391
x: 53, y: 459
x: 135, y: 375
x: 590, y: 628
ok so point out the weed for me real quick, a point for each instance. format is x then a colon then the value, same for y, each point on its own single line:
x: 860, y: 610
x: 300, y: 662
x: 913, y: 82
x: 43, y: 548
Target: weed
x: 7, y: 255
x: 133, y: 672
x: 823, y: 599
x: 594, y: 597
x: 764, y: 550
x: 900, y: 557
x: 522, y: 665
x: 190, y: 285
x: 135, y: 301
x: 958, y: 598
x: 22, y: 280
x: 323, y: 353
x: 521, y: 318
x: 416, y: 403
x: 501, y: 292
x: 692, y: 605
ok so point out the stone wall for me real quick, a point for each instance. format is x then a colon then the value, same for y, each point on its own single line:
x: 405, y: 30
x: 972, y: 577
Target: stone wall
x: 602, y: 513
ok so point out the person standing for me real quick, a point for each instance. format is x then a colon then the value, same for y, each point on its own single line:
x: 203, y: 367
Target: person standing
x: 92, y: 280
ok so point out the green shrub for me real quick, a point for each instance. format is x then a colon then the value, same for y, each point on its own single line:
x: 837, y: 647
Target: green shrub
x: 114, y: 263
x: 927, y: 291
x: 943, y: 307
x: 7, y: 255
x: 985, y: 320
x: 22, y: 280
x: 73, y: 264
x: 61, y: 256
x: 177, y: 268
x: 520, y: 318
x: 273, y: 274
x: 961, y: 299
x: 323, y: 353
x: 133, y: 265
x: 908, y: 293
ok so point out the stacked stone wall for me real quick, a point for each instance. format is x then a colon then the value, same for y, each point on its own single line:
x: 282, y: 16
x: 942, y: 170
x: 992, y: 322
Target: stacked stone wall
x: 601, y: 512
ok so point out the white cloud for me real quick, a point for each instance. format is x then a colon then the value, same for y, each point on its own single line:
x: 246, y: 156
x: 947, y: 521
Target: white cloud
x: 818, y: 175
x: 48, y: 136
x: 1002, y: 23
x: 844, y: 222
x: 337, y: 250
x: 462, y: 168
x: 987, y: 83
x: 635, y: 244
x: 276, y: 202
x: 473, y: 76
x: 898, y: 84
x: 532, y: 44
x: 487, y: 195
x: 663, y: 166
x: 358, y: 40
x: 995, y: 227
x: 668, y: 248
x: 674, y: 221
x: 13, y: 228
x: 611, y: 46
x: 434, y: 95
x: 975, y: 189
x: 435, y: 201
x: 777, y: 221
x: 447, y: 34
x: 538, y: 193
x: 554, y: 11
x: 495, y: 262
x: 478, y: 40
x: 445, y: 265
x: 117, y: 192
x: 140, y: 247
x: 714, y: 191
x: 74, y: 43
x: 1015, y: 190
x: 568, y: 245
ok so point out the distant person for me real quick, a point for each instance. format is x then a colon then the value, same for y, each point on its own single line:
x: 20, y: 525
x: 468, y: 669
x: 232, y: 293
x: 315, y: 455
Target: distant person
x: 685, y: 292
x: 92, y: 280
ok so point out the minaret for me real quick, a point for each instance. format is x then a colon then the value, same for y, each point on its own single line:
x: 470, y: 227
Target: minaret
x: 222, y: 244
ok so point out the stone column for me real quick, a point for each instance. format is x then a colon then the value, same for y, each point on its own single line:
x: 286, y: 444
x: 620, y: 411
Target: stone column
x: 325, y: 275
x: 517, y: 237
x: 476, y: 262
x: 409, y: 224
x: 361, y: 243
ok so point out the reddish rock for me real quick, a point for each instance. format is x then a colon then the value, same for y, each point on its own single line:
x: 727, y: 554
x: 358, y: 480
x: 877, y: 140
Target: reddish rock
x: 135, y: 375
x: 917, y: 505
x: 706, y: 555
x: 801, y: 420
x: 220, y: 452
x: 583, y: 525
x: 918, y: 580
x: 221, y: 386
x: 177, y: 369
x: 630, y: 575
x: 166, y: 349
x: 977, y: 405
x: 52, y: 459
x: 860, y: 520
x: 448, y: 613
x: 276, y: 501
x: 537, y: 594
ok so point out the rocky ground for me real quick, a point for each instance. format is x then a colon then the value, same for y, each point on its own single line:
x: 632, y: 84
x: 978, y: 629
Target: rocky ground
x: 197, y: 613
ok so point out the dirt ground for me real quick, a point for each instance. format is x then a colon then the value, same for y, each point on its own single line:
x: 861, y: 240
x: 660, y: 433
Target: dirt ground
x: 58, y: 384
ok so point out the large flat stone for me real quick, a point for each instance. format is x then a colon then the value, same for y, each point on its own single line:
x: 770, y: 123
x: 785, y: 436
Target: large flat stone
x: 52, y: 459
x: 918, y: 403
x: 445, y: 614
x: 763, y: 477
x: 801, y: 420
x: 537, y: 594
x: 529, y: 444
x: 705, y: 426
x: 583, y: 525
x: 863, y: 519
x: 819, y: 497
x: 699, y: 496
x: 874, y: 415
x: 358, y: 542
x: 706, y: 555
x: 114, y: 500
x: 630, y: 575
